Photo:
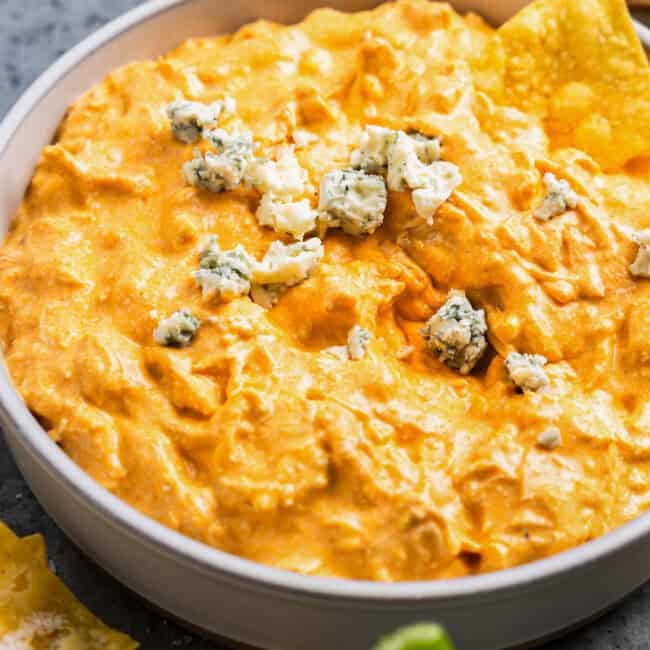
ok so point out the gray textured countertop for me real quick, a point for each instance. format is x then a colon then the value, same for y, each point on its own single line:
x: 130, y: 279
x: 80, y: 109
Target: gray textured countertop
x: 33, y: 33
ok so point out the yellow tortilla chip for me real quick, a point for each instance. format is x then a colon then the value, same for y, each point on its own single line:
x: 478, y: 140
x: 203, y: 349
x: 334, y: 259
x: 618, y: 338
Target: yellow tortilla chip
x: 37, y: 612
x: 580, y: 67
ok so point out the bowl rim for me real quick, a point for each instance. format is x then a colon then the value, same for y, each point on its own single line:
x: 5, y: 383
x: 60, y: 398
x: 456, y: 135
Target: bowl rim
x: 27, y: 432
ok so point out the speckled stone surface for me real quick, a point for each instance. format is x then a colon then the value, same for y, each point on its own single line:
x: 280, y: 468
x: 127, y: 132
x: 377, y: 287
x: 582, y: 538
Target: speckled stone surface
x: 33, y: 33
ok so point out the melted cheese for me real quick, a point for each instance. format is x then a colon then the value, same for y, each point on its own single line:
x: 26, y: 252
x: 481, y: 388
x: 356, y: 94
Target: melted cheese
x: 389, y: 467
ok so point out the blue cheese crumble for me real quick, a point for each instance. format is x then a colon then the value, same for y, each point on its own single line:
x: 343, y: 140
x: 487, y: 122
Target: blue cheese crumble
x: 279, y: 180
x: 224, y: 274
x: 441, y: 180
x: 550, y: 438
x: 178, y: 330
x: 355, y: 349
x: 526, y: 371
x: 409, y: 161
x: 303, y: 138
x: 283, y: 266
x: 296, y: 218
x: 407, y: 164
x: 281, y: 177
x: 375, y: 145
x: 559, y: 198
x: 358, y: 342
x: 224, y: 170
x: 640, y: 268
x: 352, y: 200
x: 240, y: 144
x: 372, y: 154
x: 404, y: 168
x: 428, y: 149
x: 432, y: 182
x: 456, y: 333
x: 188, y: 119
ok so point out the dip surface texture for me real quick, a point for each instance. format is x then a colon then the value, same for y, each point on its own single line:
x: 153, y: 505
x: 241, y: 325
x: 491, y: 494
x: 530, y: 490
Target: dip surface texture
x: 391, y: 466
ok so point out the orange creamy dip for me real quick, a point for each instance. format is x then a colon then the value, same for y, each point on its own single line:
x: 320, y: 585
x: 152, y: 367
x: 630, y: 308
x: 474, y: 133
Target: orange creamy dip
x: 252, y: 439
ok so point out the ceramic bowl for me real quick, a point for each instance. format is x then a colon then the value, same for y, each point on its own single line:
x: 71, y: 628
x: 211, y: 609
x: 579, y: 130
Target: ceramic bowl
x: 218, y: 592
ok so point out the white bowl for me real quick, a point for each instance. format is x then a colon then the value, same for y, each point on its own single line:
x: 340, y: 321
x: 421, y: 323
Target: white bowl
x: 221, y: 593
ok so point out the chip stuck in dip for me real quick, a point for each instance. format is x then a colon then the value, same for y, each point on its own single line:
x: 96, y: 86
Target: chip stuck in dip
x: 363, y: 297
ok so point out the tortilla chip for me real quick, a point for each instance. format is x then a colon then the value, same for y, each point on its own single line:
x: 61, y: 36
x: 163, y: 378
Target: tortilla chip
x: 580, y: 67
x: 37, y: 612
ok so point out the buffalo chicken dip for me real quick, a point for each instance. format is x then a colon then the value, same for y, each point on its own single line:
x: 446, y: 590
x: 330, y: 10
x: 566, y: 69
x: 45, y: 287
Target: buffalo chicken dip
x: 363, y: 297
